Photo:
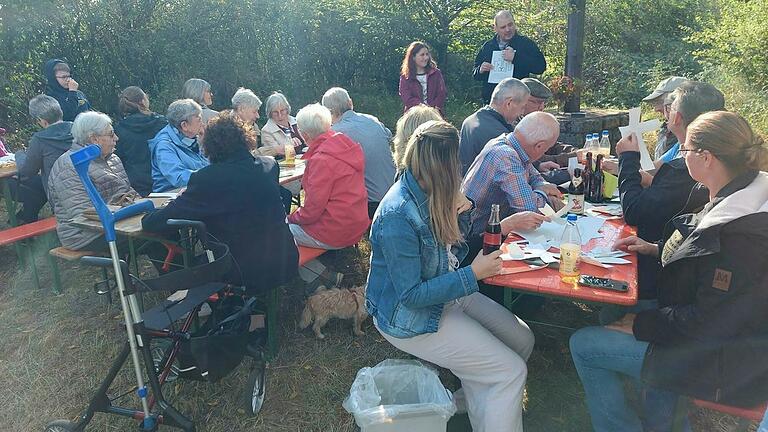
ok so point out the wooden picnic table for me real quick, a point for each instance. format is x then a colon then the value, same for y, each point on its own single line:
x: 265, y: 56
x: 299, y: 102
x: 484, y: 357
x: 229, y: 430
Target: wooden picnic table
x: 292, y: 174
x: 546, y: 281
x: 7, y: 172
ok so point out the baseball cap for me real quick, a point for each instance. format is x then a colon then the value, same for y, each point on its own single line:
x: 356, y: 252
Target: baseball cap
x: 537, y: 88
x: 667, y: 86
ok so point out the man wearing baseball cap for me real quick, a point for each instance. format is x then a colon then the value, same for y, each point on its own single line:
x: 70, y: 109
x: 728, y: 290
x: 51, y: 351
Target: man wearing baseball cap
x: 657, y: 98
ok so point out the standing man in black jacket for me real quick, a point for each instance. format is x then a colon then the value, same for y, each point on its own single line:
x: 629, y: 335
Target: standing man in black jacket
x: 672, y: 190
x: 524, y: 54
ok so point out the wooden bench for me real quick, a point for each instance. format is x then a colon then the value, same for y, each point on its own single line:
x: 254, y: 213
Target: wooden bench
x: 307, y: 254
x: 28, y: 231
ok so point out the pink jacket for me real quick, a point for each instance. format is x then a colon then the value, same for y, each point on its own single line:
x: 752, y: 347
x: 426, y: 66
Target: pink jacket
x: 335, y: 209
x: 411, y: 92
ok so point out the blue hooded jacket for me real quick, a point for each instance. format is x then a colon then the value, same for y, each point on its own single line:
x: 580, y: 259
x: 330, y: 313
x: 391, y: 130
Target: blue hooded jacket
x: 72, y: 102
x: 173, y: 161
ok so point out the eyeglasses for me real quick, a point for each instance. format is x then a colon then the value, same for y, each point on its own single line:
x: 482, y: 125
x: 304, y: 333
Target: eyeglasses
x: 108, y: 135
x: 282, y: 111
x: 694, y: 150
x: 63, y: 76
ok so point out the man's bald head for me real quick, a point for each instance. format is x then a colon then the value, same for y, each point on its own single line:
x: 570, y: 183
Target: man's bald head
x: 537, y: 132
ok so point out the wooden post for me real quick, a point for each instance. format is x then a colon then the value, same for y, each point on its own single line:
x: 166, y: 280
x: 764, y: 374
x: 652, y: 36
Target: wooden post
x: 574, y: 56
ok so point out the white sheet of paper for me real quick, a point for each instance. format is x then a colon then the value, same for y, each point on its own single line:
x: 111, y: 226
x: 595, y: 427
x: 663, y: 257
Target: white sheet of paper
x: 171, y: 195
x: 501, y: 68
x: 549, y: 233
x: 638, y: 128
x: 552, y: 214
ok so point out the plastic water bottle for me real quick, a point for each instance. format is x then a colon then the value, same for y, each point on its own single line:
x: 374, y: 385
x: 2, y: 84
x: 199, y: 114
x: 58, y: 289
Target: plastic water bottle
x: 592, y: 144
x: 570, y: 252
x: 605, y: 144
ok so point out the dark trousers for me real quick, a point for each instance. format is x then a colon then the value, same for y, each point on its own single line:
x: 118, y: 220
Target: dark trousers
x: 524, y: 307
x: 31, y: 195
x: 372, y: 206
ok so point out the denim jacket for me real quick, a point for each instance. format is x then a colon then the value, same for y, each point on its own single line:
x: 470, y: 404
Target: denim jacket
x: 409, y: 281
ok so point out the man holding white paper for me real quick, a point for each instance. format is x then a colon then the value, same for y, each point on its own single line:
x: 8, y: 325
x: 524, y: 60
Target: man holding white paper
x: 515, y: 53
x: 672, y: 190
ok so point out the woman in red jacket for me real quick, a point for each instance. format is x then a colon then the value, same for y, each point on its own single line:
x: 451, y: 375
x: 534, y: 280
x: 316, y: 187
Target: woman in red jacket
x: 335, y: 210
x: 421, y: 82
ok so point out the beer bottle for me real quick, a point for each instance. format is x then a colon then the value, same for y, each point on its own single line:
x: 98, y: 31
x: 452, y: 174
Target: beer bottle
x: 597, y: 181
x: 586, y: 177
x: 576, y: 193
x: 492, y: 234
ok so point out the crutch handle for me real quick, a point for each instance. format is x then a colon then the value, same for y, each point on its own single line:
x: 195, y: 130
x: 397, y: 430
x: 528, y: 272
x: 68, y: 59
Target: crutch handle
x: 134, y: 209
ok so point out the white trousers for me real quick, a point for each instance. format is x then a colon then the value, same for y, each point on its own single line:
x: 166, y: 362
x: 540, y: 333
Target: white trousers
x: 486, y: 346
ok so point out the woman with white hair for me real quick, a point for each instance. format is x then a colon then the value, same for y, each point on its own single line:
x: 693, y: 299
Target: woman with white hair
x: 245, y: 106
x: 176, y: 149
x: 66, y: 191
x: 199, y: 90
x: 335, y: 210
x: 281, y: 128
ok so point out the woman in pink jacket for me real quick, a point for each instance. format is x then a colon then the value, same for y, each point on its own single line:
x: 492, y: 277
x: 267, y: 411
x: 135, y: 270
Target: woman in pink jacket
x: 421, y: 82
x: 335, y: 210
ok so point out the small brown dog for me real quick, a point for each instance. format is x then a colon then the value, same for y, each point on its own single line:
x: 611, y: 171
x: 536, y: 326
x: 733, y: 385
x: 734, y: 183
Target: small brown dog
x: 335, y: 303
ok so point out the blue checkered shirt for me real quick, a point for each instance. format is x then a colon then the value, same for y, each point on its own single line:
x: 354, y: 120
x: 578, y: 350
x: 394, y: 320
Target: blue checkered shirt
x: 502, y: 174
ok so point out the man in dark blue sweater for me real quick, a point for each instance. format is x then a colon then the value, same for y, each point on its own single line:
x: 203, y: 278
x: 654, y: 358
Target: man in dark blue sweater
x: 524, y: 54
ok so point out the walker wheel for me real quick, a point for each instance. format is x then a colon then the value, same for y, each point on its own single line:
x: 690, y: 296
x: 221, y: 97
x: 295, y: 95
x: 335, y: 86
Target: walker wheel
x: 61, y: 426
x: 253, y: 397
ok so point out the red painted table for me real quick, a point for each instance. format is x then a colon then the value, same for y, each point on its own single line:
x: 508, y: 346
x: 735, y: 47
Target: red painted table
x: 546, y: 281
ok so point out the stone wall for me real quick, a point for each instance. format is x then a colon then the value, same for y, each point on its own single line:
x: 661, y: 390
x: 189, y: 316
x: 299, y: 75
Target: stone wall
x: 574, y: 129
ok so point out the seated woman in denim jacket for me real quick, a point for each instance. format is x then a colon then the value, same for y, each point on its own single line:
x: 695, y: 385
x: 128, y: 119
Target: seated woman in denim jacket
x: 423, y: 304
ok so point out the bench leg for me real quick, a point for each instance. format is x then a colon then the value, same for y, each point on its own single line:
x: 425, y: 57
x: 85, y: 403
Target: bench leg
x: 10, y: 206
x: 29, y: 248
x: 54, y: 265
x: 273, y: 309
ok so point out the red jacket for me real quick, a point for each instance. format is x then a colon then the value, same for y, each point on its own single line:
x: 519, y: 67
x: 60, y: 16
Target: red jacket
x: 335, y: 209
x: 411, y: 92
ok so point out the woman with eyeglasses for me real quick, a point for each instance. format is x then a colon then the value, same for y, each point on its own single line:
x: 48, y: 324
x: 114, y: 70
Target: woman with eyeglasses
x: 62, y: 87
x: 424, y: 303
x: 281, y: 129
x: 709, y: 336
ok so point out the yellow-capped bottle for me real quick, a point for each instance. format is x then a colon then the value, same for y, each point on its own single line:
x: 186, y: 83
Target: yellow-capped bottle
x: 570, y: 252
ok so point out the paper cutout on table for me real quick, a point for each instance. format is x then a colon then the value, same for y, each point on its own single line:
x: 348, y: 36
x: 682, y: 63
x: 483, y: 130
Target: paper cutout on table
x: 556, y: 217
x: 638, y: 128
x: 607, y: 256
x: 550, y: 233
x: 501, y: 68
x: 573, y: 163
x: 612, y: 209
x: 513, y: 252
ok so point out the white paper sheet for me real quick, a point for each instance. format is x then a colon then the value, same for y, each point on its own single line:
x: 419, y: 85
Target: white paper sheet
x: 550, y: 233
x: 638, y: 128
x: 501, y: 68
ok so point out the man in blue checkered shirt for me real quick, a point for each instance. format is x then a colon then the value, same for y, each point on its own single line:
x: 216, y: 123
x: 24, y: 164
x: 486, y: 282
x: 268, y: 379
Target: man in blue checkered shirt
x: 503, y: 172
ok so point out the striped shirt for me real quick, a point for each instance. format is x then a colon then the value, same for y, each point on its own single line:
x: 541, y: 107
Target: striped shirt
x: 502, y: 174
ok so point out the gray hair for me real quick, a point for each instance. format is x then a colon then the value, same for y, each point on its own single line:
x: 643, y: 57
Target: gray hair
x: 195, y: 89
x: 245, y: 97
x: 503, y: 13
x: 88, y: 124
x: 182, y: 110
x: 694, y: 98
x: 314, y: 120
x: 337, y: 100
x: 44, y: 107
x: 275, y: 100
x: 539, y: 126
x: 510, y: 88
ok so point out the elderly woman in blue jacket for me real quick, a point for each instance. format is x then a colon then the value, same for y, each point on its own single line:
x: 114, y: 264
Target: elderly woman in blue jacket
x: 175, y: 149
x: 425, y: 305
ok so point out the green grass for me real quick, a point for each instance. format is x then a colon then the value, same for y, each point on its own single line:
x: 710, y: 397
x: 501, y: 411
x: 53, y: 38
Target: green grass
x: 57, y: 348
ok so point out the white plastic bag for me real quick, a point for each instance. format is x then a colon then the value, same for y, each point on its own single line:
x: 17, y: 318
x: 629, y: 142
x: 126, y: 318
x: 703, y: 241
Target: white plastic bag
x: 394, y: 388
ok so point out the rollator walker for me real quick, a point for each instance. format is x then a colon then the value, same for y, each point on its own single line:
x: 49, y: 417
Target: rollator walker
x: 205, y: 351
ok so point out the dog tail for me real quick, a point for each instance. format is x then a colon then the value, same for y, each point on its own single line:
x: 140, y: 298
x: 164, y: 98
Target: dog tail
x: 306, y: 317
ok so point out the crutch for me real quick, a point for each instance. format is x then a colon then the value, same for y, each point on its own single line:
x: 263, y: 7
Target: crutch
x: 131, y: 311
